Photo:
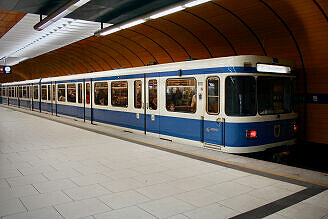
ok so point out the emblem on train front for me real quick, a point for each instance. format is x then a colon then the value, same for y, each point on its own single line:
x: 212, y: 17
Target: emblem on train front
x: 276, y: 131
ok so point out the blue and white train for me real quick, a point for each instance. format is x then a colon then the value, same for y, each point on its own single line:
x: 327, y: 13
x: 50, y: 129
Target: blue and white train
x: 238, y: 104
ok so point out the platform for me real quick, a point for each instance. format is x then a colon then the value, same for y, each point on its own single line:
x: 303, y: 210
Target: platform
x: 62, y: 169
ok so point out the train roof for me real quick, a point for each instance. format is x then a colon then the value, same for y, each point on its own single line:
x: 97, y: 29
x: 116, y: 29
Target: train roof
x: 251, y: 60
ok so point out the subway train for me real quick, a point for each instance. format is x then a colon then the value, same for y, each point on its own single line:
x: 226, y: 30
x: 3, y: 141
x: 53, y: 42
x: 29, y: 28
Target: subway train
x: 237, y: 104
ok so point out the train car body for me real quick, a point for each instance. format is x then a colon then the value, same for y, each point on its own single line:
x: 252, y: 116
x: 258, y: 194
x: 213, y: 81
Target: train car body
x: 239, y: 104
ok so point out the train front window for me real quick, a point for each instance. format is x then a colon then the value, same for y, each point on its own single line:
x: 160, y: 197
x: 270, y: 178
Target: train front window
x: 240, y: 97
x: 275, y: 95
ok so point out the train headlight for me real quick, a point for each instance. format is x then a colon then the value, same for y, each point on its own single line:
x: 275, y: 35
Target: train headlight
x: 251, y: 134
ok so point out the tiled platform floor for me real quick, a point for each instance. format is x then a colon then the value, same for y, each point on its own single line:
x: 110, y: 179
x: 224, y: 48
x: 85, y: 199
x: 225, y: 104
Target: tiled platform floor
x: 52, y: 170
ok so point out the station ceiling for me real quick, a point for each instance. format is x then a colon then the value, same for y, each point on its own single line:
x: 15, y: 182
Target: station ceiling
x: 296, y: 30
x: 107, y: 11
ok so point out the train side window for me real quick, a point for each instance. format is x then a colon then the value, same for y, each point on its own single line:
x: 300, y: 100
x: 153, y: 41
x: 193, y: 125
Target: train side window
x: 20, y: 92
x: 152, y: 90
x: 54, y: 92
x: 120, y: 93
x: 36, y: 92
x: 49, y: 92
x: 71, y: 93
x: 44, y: 92
x: 61, y: 92
x: 79, y: 89
x: 137, y: 94
x: 181, y: 95
x: 87, y: 93
x: 24, y: 91
x: 213, y: 96
x: 101, y: 93
x: 27, y: 91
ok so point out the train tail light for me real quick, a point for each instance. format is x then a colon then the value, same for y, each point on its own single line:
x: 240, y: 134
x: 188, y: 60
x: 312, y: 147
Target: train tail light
x: 251, y: 134
x: 295, y: 128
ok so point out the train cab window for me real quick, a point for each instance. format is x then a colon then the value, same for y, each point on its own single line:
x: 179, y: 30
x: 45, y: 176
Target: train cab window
x: 181, y: 95
x: 36, y: 92
x: 240, y: 96
x: 213, y: 96
x: 275, y: 95
x: 71, y: 93
x: 101, y: 93
x: 53, y: 92
x: 137, y: 94
x: 49, y: 93
x: 120, y: 93
x: 44, y: 92
x: 61, y: 92
x: 152, y: 90
x: 87, y: 93
x: 79, y: 90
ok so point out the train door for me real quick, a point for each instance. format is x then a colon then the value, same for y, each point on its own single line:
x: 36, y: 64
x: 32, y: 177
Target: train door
x: 53, y: 99
x: 87, y: 101
x: 152, y: 102
x: 139, y: 105
x: 214, y: 123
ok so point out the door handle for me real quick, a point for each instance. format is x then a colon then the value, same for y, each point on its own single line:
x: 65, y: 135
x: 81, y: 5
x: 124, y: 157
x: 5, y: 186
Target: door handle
x: 219, y: 121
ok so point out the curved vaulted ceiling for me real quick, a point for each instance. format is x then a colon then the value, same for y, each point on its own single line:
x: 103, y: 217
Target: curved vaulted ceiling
x: 296, y: 30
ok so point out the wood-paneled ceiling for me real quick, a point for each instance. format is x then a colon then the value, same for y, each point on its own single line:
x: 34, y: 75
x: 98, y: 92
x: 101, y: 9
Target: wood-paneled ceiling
x: 296, y: 30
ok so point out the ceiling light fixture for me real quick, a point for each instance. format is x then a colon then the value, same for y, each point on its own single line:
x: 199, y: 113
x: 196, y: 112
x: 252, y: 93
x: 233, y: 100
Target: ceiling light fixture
x: 167, y: 12
x: 133, y: 23
x: 194, y: 3
x: 109, y: 31
x: 60, y: 13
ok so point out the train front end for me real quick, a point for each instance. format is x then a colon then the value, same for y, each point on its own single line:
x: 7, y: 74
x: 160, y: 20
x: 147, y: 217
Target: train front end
x: 260, y: 108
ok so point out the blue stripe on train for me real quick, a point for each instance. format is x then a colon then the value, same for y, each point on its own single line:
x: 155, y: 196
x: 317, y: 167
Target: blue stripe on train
x: 25, y: 103
x: 188, y: 128
x: 236, y: 133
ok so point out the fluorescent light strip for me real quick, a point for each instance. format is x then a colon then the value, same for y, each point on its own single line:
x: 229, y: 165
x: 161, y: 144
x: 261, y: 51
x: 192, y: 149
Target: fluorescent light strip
x: 167, y: 12
x: 60, y: 13
x: 107, y: 31
x: 194, y: 3
x: 133, y: 23
x: 273, y: 68
x: 110, y: 31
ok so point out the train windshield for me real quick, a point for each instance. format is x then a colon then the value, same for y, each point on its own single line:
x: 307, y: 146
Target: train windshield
x: 275, y: 95
x: 240, y: 96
